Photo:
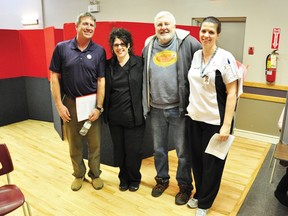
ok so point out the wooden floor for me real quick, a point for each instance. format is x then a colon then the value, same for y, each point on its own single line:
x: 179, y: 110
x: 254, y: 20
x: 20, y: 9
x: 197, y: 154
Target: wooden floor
x: 43, y: 172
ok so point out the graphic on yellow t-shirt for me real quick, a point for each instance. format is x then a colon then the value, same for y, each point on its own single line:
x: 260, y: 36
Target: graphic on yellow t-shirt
x: 165, y: 58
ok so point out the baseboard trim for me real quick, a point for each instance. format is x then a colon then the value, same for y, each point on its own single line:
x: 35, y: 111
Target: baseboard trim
x: 256, y: 136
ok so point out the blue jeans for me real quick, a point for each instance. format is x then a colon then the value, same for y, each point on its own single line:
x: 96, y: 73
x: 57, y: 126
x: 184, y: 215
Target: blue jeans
x: 169, y: 128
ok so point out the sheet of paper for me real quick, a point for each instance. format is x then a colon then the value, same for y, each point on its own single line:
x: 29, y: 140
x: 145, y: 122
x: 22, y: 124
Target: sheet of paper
x: 219, y: 148
x: 84, y: 106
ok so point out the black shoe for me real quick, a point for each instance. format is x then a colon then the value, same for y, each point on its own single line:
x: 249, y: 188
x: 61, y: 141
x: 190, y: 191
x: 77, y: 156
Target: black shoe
x: 282, y: 197
x: 133, y: 188
x: 123, y: 187
x: 183, y: 195
x: 160, y: 187
x: 283, y: 163
x: 182, y: 198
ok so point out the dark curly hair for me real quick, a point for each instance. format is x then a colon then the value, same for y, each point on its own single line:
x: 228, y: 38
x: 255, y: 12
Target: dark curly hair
x: 123, y: 35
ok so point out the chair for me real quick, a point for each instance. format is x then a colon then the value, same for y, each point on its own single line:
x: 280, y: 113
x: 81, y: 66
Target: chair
x: 280, y: 153
x: 11, y: 197
x: 281, y: 149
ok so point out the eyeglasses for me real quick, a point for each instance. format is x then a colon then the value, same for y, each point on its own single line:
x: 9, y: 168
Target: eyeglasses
x: 121, y: 45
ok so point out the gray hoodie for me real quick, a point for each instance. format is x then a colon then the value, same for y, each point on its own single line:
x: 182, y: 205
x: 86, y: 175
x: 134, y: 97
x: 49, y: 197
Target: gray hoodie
x: 186, y: 47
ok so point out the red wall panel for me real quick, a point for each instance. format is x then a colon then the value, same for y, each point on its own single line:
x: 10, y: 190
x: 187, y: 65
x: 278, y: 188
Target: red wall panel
x: 10, y: 57
x: 58, y: 35
x: 139, y: 31
x: 33, y: 53
x: 194, y: 30
x: 28, y: 52
x: 49, y: 38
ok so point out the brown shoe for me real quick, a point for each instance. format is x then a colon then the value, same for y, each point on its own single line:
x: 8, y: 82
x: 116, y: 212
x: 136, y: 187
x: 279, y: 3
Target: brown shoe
x: 77, y: 184
x: 160, y: 187
x: 97, y: 183
x: 183, y: 195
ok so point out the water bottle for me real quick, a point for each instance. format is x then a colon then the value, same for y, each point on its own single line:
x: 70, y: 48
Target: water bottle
x: 86, y: 126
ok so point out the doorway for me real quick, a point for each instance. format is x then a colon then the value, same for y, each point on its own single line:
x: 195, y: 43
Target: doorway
x: 232, y: 34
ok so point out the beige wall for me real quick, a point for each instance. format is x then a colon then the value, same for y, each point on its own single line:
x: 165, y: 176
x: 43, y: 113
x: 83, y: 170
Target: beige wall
x: 258, y: 116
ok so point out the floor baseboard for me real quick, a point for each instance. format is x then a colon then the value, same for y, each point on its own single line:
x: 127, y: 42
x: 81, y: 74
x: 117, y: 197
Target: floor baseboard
x: 256, y: 136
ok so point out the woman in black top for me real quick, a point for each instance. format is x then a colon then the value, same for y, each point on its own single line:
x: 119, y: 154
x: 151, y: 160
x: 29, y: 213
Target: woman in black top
x: 123, y: 107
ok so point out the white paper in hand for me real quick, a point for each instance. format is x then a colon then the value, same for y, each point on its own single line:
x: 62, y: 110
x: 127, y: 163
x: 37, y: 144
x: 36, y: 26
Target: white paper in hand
x: 219, y: 148
x: 84, y: 106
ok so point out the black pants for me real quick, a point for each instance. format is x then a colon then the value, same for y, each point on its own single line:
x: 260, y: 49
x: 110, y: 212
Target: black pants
x: 128, y: 152
x: 207, y: 169
x: 282, y: 186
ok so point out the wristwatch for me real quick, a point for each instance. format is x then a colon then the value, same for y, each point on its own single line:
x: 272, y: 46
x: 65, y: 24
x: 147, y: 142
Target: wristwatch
x: 101, y: 109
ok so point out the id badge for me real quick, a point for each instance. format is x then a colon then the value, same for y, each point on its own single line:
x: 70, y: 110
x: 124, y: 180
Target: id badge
x: 206, y: 80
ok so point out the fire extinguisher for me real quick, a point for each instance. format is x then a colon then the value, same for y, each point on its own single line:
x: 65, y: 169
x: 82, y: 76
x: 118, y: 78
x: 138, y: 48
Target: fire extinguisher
x: 271, y: 66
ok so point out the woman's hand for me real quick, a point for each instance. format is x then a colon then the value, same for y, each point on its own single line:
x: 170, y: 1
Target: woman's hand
x: 224, y: 132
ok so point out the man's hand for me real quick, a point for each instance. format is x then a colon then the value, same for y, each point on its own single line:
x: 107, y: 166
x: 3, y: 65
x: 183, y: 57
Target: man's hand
x: 94, y: 115
x: 64, y: 113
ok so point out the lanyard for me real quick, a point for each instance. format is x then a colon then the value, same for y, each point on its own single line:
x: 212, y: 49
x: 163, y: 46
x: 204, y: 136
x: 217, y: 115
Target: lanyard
x: 203, y: 70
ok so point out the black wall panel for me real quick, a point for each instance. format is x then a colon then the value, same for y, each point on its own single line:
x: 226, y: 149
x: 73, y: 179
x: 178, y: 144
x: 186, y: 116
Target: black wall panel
x: 39, y: 99
x: 24, y: 98
x: 13, y: 102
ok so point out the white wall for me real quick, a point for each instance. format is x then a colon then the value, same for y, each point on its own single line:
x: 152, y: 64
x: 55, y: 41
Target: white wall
x: 262, y: 17
x: 12, y: 12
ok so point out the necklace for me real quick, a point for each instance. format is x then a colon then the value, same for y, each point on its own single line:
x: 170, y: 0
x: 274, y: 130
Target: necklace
x: 203, y: 70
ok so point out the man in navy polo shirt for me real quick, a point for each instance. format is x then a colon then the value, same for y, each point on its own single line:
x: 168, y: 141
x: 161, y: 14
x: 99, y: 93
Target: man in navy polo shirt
x: 78, y: 69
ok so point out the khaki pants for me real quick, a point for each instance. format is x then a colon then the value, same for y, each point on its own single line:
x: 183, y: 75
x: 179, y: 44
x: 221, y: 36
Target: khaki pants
x: 76, y: 141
